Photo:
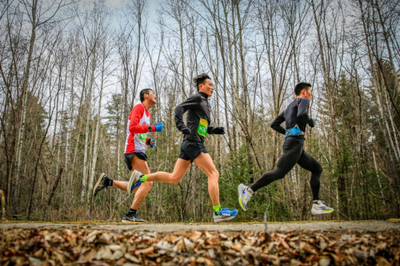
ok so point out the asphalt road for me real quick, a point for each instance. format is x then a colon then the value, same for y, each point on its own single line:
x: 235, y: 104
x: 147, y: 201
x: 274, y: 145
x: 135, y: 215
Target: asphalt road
x: 222, y: 227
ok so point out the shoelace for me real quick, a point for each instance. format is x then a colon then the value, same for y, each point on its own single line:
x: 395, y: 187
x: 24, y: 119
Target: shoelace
x: 247, y: 195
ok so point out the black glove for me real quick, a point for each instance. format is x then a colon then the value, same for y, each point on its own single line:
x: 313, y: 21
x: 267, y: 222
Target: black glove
x: 186, y: 131
x: 216, y: 130
x: 311, y: 122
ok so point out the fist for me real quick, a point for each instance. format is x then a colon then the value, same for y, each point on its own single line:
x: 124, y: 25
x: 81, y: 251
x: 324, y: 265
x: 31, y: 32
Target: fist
x: 218, y: 130
x: 186, y: 131
x: 311, y: 122
x: 152, y: 143
x: 159, y: 127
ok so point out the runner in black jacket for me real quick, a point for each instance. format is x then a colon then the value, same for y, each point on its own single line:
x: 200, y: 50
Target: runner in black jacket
x: 199, y: 112
x: 296, y: 119
x: 192, y: 148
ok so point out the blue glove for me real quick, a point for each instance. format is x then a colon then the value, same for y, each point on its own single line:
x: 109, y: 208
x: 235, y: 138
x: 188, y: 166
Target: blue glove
x: 152, y: 143
x: 159, y: 127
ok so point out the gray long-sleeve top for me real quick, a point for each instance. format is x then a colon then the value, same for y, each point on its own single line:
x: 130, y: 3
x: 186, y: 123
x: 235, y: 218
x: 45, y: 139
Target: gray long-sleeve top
x: 296, y: 113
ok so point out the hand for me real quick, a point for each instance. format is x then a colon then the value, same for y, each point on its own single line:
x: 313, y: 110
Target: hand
x: 311, y: 122
x: 152, y: 143
x: 218, y: 130
x: 186, y: 131
x: 159, y: 127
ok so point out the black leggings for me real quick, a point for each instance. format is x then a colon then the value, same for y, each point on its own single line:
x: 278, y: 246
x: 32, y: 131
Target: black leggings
x: 293, y: 153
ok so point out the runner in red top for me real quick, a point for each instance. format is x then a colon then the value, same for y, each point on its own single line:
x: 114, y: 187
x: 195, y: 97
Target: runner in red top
x: 135, y: 156
x: 138, y: 127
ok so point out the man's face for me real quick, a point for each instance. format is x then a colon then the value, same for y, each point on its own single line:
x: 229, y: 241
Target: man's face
x: 151, y: 97
x: 207, y: 87
x: 307, y: 93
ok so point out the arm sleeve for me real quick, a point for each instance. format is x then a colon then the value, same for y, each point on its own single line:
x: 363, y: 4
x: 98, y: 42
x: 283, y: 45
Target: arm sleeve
x: 302, y: 110
x: 276, y: 124
x: 190, y: 103
x: 134, y: 118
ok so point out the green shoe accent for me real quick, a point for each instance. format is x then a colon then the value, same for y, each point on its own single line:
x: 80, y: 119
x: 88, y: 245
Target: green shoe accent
x: 217, y: 209
x: 143, y: 178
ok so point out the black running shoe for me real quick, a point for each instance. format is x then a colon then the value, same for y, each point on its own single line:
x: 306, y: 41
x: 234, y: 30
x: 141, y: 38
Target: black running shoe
x: 100, y: 184
x: 133, y: 219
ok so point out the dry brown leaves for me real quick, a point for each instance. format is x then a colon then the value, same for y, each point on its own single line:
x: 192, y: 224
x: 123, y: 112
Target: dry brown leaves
x: 82, y: 246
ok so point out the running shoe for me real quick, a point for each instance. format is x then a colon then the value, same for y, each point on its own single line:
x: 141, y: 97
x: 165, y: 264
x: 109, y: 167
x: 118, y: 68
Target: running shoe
x: 225, y: 214
x: 100, y: 184
x: 319, y: 207
x: 131, y: 219
x: 244, y: 196
x: 134, y: 181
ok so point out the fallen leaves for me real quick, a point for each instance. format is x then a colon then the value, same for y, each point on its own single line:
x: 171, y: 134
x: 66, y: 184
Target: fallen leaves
x: 76, y: 245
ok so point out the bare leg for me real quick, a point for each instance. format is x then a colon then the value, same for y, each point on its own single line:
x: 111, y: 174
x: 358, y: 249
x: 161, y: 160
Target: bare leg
x: 180, y: 169
x: 141, y: 191
x: 120, y: 184
x: 206, y: 164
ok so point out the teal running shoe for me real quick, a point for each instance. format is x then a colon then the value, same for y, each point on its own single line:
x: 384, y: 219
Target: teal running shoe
x: 134, y: 181
x: 225, y: 214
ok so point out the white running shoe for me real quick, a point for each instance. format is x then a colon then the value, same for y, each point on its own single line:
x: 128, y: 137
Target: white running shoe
x: 134, y: 181
x: 244, y: 196
x: 319, y: 207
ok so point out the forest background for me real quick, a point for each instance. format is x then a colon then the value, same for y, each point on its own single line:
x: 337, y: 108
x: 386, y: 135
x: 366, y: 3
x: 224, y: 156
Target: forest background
x: 71, y: 71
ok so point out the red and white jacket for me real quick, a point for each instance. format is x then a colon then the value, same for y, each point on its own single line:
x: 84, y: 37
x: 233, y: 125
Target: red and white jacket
x: 138, y: 127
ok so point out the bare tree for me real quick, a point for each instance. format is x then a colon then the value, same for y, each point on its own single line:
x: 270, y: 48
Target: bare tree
x: 106, y: 49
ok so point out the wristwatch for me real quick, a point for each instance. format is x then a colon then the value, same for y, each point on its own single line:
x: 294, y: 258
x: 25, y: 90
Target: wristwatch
x: 149, y: 128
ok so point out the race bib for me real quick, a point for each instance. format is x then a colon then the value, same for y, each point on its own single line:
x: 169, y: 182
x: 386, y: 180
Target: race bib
x: 143, y: 137
x: 202, y: 129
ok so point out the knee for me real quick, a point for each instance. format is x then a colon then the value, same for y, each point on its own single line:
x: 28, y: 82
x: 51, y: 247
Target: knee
x: 214, y: 175
x: 318, y: 170
x: 148, y: 184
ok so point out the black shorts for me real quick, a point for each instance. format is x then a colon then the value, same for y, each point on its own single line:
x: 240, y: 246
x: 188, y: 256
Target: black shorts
x: 191, y: 149
x: 129, y: 156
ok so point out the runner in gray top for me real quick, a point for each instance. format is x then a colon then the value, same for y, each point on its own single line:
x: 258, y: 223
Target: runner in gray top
x: 296, y: 119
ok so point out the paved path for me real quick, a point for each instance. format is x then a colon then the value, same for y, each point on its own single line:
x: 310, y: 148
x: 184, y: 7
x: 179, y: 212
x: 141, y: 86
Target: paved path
x: 284, y: 227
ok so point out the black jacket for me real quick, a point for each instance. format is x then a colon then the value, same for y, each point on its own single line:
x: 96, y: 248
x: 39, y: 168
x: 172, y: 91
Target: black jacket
x: 198, y: 110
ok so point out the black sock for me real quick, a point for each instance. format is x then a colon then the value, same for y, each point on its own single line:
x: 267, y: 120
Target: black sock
x: 109, y: 182
x: 132, y: 212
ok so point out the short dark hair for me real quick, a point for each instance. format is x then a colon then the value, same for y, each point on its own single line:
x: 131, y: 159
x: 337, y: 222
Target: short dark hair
x: 200, y: 80
x: 143, y: 92
x: 301, y: 86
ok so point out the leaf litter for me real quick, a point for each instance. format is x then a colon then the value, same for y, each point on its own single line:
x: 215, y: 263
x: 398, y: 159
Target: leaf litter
x: 83, y: 246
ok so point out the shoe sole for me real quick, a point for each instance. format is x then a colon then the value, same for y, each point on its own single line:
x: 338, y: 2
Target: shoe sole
x: 240, y: 191
x: 132, y: 180
x: 97, y: 183
x: 321, y: 212
x: 131, y: 222
x: 223, y: 218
